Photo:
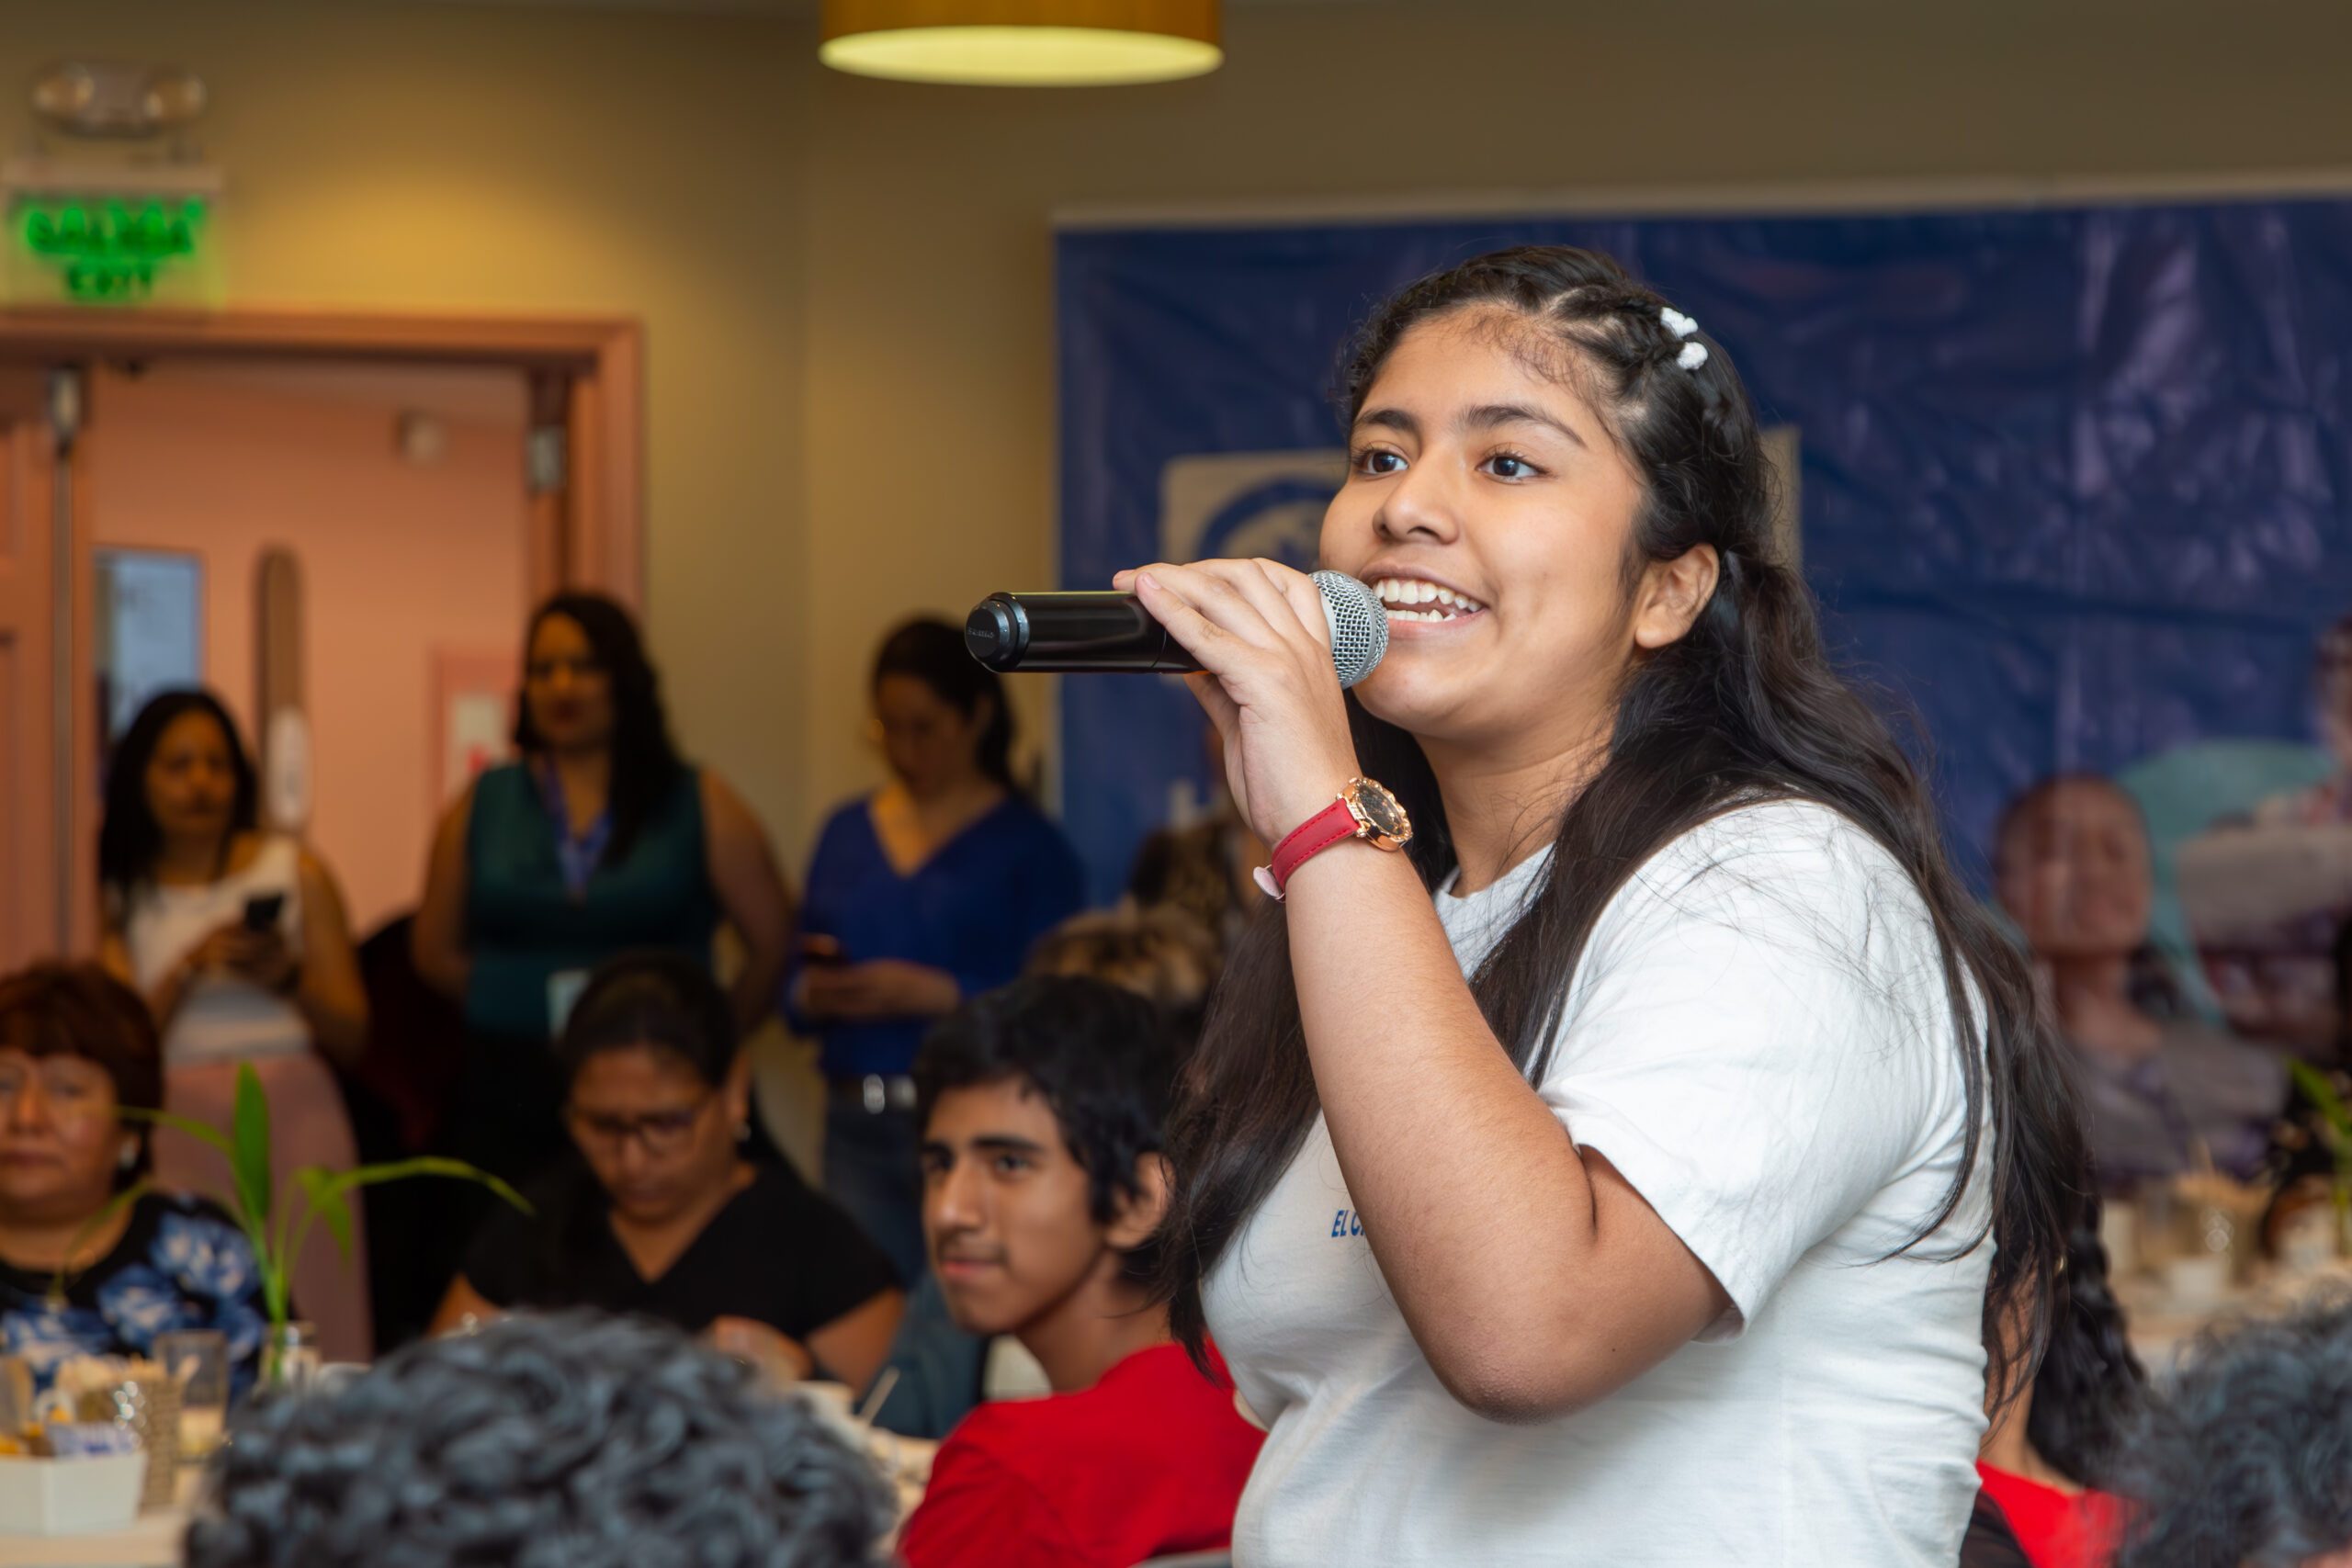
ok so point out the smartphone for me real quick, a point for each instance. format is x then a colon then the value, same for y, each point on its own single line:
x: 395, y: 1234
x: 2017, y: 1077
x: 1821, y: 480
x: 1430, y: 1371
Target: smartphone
x: 262, y: 911
x: 818, y: 948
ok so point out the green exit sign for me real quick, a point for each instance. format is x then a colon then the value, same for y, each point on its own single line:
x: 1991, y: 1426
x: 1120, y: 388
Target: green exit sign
x: 112, y: 251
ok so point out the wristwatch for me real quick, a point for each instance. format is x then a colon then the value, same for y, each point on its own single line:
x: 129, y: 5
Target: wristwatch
x: 1363, y: 810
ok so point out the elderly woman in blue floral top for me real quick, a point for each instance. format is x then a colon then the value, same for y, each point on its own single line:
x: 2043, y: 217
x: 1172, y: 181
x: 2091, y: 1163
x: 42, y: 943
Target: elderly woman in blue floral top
x: 77, y: 1046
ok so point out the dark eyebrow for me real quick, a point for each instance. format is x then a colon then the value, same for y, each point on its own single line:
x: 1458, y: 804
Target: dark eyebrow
x: 1006, y: 1144
x: 1487, y: 416
x: 1389, y: 419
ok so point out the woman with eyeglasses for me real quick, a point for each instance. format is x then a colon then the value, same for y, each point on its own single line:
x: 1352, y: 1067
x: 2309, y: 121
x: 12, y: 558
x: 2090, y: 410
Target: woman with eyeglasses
x: 600, y: 841
x: 662, y: 1216
x: 81, y: 1272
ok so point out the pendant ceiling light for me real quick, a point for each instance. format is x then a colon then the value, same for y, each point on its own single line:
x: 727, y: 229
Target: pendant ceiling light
x: 1023, y: 43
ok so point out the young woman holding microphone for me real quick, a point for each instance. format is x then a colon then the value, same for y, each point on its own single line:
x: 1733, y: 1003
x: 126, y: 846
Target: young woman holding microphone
x: 1611, y: 1176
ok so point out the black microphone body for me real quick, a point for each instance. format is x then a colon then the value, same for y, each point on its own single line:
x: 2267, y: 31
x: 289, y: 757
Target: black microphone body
x: 1112, y: 634
x: 1073, y: 634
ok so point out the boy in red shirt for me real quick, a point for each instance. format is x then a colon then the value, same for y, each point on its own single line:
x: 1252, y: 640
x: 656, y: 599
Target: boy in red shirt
x: 1042, y: 1107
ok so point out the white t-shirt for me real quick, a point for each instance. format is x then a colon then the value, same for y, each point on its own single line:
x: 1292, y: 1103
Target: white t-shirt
x: 223, y: 1017
x: 1759, y: 1038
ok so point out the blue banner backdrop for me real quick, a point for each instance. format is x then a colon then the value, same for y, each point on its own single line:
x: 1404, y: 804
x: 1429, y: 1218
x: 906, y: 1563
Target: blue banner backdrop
x: 2075, y: 484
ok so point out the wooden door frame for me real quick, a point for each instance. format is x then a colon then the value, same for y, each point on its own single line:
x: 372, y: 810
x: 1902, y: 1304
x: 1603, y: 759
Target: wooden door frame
x: 603, y: 543
x: 592, y: 535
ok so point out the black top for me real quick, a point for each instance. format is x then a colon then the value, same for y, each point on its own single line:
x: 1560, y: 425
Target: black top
x: 778, y: 1253
x: 1989, y: 1543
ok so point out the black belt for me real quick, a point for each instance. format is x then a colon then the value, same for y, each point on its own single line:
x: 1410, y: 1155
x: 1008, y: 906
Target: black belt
x: 874, y: 1092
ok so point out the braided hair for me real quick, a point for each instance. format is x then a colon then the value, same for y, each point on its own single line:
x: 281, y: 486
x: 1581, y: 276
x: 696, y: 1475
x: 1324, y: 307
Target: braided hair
x: 2090, y: 1388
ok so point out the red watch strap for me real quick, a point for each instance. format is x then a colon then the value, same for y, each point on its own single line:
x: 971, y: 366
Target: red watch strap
x: 1334, y: 824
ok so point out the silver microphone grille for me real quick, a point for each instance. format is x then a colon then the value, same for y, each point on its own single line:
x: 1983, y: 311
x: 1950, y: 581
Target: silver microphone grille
x: 1359, y: 626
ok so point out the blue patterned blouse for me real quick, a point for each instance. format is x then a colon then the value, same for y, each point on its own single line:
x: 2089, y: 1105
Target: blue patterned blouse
x: 182, y: 1263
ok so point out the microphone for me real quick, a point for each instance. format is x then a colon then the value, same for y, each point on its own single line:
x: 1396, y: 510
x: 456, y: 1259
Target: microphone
x: 1112, y: 634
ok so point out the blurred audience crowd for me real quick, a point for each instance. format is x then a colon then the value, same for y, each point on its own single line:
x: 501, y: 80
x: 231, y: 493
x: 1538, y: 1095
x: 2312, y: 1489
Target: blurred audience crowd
x: 603, y: 925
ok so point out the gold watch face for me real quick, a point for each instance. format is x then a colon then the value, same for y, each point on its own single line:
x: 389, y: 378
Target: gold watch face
x: 1378, y: 810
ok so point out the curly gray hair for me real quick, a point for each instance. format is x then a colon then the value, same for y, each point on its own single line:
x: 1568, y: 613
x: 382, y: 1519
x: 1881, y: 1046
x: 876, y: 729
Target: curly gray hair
x: 2248, y: 1463
x: 574, y: 1440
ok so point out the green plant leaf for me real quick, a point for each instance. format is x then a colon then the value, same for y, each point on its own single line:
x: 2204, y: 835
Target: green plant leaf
x: 318, y: 1188
x: 115, y: 1205
x: 2320, y: 1092
x: 428, y: 1165
x: 324, y: 1188
x: 251, y: 1134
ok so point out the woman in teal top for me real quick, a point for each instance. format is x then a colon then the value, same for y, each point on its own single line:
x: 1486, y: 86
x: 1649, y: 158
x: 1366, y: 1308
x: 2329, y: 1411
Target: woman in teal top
x: 600, y: 841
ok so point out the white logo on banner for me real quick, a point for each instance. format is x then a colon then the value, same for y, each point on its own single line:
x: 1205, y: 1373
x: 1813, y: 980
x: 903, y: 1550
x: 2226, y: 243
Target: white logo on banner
x: 1247, y: 504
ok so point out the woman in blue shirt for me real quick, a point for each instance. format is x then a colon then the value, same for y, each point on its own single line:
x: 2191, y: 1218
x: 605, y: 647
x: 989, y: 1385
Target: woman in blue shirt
x: 922, y: 894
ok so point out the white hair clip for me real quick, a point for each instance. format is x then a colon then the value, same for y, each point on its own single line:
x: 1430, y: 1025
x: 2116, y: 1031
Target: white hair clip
x: 1693, y: 354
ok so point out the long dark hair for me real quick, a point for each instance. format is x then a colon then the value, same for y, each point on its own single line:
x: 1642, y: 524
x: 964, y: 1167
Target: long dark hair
x: 1745, y: 708
x: 2090, y: 1389
x: 933, y: 652
x: 129, y: 838
x: 645, y: 764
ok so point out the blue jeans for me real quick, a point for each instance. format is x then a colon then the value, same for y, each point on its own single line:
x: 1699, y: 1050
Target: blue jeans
x: 873, y: 1170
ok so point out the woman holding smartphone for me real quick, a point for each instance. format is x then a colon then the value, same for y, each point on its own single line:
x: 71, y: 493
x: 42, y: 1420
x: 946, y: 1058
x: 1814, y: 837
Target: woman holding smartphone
x: 928, y: 891
x: 238, y: 941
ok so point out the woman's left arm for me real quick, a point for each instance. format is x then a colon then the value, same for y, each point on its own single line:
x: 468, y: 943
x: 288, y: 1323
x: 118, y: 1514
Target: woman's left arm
x: 1535, y: 1279
x: 332, y: 997
x: 751, y: 891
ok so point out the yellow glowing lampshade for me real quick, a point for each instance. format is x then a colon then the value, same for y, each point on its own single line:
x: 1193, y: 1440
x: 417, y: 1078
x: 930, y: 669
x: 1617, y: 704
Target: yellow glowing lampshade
x: 1023, y: 43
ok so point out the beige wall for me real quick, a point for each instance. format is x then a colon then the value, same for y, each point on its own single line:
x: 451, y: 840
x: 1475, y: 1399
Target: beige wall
x: 401, y: 563
x: 928, y: 366
x: 433, y: 157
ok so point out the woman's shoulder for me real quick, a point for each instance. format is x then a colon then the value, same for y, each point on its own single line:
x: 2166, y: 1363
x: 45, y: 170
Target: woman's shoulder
x: 194, y: 1208
x: 1020, y: 819
x: 196, y: 1241
x: 503, y: 785
x: 496, y: 798
x: 1783, y: 842
x: 778, y: 1192
x: 854, y: 813
x: 1795, y: 871
x: 273, y: 857
x: 781, y: 1205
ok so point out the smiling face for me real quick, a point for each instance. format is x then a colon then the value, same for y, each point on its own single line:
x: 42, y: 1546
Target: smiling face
x: 1493, y: 510
x: 1007, y: 1210
x: 2073, y: 870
